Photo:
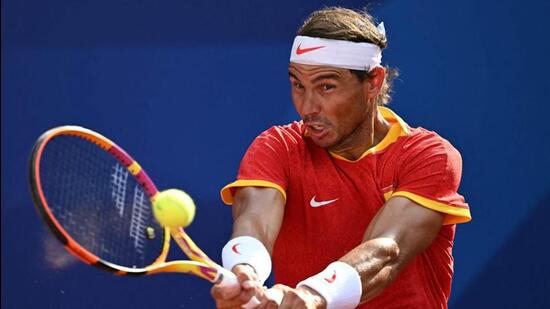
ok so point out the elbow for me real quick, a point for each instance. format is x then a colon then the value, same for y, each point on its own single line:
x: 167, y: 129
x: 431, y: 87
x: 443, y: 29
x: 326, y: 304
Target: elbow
x: 388, y: 248
x: 392, y: 258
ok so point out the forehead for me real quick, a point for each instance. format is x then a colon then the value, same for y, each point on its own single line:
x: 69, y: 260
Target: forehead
x: 312, y: 71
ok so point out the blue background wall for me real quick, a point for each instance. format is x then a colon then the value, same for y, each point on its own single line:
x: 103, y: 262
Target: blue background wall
x: 186, y: 85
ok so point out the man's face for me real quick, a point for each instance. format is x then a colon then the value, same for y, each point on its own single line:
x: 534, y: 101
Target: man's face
x: 332, y: 102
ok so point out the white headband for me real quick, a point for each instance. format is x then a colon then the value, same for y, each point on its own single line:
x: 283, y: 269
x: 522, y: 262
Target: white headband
x: 337, y: 53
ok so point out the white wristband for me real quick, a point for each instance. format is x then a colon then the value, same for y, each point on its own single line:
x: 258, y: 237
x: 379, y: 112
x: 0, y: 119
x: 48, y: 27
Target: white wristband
x: 339, y: 284
x: 247, y: 250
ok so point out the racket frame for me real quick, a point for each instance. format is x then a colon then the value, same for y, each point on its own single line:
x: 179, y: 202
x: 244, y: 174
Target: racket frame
x: 201, y: 265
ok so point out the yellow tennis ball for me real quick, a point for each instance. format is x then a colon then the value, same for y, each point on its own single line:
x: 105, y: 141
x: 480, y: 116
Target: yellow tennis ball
x: 173, y: 208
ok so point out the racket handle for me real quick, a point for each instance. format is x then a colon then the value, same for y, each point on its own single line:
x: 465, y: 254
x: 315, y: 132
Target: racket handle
x: 227, y: 279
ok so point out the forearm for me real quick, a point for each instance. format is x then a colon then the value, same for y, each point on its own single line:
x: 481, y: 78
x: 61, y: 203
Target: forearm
x: 357, y: 277
x: 398, y: 232
x: 377, y: 262
x: 247, y: 225
x: 258, y: 213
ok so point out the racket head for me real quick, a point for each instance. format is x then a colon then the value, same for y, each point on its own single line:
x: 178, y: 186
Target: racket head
x: 96, y: 200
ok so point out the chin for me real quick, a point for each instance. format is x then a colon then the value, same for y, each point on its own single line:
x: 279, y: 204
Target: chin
x: 324, y: 143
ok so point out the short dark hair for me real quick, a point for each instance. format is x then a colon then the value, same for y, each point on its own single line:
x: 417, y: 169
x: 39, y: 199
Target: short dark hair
x: 338, y: 23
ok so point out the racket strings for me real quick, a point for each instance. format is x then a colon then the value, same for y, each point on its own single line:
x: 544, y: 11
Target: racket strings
x: 99, y: 203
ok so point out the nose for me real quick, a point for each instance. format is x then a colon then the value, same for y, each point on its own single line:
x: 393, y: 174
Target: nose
x: 310, y: 106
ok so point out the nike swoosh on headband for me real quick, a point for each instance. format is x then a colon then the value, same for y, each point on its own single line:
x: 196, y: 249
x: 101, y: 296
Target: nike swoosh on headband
x: 300, y: 50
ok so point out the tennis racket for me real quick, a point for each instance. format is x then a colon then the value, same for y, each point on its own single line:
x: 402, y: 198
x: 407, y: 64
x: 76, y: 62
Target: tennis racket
x: 97, y: 201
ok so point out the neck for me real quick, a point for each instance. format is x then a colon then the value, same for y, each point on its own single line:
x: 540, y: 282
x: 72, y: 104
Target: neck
x: 367, y: 135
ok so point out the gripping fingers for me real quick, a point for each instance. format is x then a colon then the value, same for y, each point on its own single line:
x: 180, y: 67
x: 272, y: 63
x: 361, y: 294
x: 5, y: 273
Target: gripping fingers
x: 252, y: 303
x: 274, y: 296
x: 228, y: 286
x: 251, y: 289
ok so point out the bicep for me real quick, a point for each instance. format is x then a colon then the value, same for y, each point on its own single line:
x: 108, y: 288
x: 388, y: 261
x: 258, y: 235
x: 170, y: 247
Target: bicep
x: 258, y: 212
x: 411, y: 226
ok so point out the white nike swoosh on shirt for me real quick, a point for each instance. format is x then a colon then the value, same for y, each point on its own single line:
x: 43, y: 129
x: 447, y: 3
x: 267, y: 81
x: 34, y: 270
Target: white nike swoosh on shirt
x: 314, y: 203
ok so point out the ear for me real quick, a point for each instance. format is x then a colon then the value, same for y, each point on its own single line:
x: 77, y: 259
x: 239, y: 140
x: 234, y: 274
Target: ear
x: 373, y: 83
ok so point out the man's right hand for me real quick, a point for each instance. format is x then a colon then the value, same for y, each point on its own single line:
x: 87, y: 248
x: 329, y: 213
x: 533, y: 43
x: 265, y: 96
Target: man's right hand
x: 231, y: 297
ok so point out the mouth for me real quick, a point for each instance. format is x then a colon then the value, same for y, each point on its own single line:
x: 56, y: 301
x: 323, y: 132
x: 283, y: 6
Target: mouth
x: 315, y: 127
x: 316, y: 130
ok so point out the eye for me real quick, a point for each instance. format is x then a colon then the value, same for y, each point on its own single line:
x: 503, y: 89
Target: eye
x: 328, y: 87
x: 298, y: 85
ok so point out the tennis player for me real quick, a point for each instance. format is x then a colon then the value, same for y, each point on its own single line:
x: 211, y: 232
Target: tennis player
x: 352, y: 206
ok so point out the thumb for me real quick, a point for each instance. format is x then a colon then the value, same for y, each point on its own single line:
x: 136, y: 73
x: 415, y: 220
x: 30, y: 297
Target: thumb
x: 245, y: 272
x: 229, y: 287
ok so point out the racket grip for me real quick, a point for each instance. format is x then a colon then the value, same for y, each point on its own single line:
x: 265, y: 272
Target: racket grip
x: 227, y: 279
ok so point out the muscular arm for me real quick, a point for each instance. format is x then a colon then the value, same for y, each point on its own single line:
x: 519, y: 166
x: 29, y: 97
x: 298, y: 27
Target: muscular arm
x: 258, y: 212
x: 399, y: 231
